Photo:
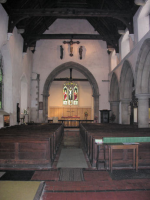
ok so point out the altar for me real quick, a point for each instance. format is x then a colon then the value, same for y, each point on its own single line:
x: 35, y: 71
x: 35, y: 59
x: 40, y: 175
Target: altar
x: 70, y: 121
x: 70, y: 113
x: 70, y: 118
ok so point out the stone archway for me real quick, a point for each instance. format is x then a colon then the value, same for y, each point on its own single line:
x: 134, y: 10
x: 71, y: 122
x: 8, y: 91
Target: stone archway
x: 114, y: 88
x: 58, y: 70
x: 142, y: 84
x: 114, y: 97
x: 126, y: 89
x: 126, y: 81
x: 143, y: 69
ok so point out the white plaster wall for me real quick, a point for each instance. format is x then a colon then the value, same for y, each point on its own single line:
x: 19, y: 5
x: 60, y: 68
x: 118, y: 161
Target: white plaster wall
x: 142, y: 20
x: 95, y: 57
x: 124, y: 44
x: 15, y: 65
x: 113, y: 60
x: 3, y: 26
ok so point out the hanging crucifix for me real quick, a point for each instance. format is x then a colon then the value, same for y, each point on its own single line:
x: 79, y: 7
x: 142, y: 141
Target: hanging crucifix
x: 71, y: 45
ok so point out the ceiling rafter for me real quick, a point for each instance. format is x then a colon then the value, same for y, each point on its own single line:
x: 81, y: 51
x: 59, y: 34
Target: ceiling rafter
x: 71, y: 12
x: 36, y: 16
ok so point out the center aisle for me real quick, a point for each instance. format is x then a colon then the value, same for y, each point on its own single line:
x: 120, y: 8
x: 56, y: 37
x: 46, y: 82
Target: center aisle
x: 71, y: 151
x: 87, y: 184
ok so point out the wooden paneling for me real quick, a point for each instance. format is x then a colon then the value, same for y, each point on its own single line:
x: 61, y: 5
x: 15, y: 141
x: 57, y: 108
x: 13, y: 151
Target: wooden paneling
x: 69, y: 111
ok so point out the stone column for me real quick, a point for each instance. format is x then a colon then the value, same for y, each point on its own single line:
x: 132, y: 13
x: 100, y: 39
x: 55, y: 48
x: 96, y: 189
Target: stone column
x: 114, y: 107
x: 96, y: 106
x: 125, y: 115
x: 45, y: 107
x: 143, y: 113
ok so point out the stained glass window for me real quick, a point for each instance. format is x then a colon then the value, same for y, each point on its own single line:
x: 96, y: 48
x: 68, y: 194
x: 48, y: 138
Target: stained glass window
x: 65, y: 95
x: 1, y: 82
x: 75, y: 95
x: 70, y: 93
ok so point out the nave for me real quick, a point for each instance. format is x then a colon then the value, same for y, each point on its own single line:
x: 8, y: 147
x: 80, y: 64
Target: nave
x: 91, y: 184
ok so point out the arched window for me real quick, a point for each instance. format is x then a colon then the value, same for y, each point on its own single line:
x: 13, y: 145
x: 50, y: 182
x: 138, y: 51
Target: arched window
x: 1, y: 83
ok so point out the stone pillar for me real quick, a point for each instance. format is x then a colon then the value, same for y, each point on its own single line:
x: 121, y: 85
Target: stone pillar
x: 143, y: 113
x: 45, y: 107
x: 114, y: 107
x: 1, y: 121
x: 125, y: 103
x: 96, y: 106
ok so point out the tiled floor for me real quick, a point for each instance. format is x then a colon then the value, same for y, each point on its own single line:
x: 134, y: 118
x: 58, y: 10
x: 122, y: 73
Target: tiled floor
x: 97, y: 185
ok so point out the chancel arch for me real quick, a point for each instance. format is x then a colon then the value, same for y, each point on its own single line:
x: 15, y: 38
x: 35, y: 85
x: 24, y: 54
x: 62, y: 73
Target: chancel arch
x: 70, y: 98
x: 143, y: 84
x: 114, y: 97
x: 82, y: 70
x: 127, y: 92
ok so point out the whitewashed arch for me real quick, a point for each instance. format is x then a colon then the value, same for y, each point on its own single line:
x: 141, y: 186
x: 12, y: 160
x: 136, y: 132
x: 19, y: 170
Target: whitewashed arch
x: 126, y: 81
x: 143, y: 69
x: 114, y: 88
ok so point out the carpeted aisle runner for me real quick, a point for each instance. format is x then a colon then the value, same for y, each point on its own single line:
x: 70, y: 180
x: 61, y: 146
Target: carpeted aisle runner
x: 71, y: 175
x: 71, y: 155
x: 72, y: 158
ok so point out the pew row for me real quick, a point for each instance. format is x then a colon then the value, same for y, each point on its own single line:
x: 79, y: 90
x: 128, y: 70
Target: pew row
x: 99, y: 154
x: 30, y: 146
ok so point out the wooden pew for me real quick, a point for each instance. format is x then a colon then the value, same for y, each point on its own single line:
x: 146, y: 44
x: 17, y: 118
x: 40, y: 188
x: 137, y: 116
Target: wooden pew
x: 99, y: 154
x: 30, y: 146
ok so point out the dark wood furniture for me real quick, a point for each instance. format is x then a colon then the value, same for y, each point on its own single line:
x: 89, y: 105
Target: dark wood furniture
x: 29, y: 146
x: 98, y: 154
x: 104, y: 116
x: 134, y: 147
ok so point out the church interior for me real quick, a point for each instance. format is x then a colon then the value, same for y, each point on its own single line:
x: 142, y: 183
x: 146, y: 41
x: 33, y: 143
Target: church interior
x: 74, y: 99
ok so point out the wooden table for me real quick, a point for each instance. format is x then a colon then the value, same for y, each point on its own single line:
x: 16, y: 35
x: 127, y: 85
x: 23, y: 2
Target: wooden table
x: 124, y: 146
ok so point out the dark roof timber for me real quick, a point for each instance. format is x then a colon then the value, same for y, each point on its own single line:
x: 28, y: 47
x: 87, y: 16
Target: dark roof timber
x: 37, y: 15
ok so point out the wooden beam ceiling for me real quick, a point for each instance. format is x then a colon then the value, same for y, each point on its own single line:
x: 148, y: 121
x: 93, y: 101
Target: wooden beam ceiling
x: 36, y: 16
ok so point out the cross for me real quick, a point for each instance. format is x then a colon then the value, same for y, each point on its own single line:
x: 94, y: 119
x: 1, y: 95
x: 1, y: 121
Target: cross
x: 71, y: 45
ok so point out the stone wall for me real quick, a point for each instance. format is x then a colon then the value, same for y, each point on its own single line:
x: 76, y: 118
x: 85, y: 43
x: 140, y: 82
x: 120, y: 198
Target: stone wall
x: 15, y: 66
x: 47, y: 58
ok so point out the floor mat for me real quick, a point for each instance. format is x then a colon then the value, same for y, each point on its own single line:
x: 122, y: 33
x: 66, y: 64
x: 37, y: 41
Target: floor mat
x: 71, y: 175
x: 19, y: 190
x: 130, y: 174
x: 46, y: 175
x: 17, y: 175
